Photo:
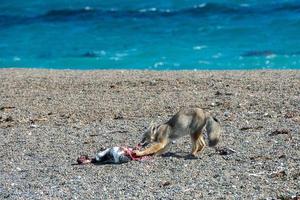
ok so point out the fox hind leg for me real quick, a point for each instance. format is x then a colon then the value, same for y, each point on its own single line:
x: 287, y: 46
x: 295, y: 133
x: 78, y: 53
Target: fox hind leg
x: 195, y: 143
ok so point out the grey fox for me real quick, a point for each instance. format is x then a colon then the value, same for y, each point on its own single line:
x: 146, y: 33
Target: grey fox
x: 189, y: 121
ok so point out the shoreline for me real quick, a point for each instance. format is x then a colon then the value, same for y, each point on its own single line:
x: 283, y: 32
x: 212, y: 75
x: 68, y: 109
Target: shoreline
x: 50, y: 117
x: 149, y: 71
x: 136, y: 69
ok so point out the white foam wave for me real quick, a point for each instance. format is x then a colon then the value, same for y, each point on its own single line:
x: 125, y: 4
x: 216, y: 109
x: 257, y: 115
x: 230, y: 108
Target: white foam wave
x: 199, y: 47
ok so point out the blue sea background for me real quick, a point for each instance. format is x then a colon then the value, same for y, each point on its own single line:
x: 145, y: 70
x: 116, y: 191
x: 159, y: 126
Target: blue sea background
x: 156, y: 34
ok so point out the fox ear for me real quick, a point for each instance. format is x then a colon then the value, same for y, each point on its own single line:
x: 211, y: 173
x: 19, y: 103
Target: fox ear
x: 152, y: 128
x: 153, y: 132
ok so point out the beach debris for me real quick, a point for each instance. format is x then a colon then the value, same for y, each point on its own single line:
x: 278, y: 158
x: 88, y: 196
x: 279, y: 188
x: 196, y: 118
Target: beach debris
x: 228, y: 93
x: 267, y: 115
x: 229, y: 116
x: 245, y: 128
x: 37, y: 119
x: 66, y: 115
x: 153, y: 83
x: 297, y: 119
x: 280, y: 131
x: 225, y: 151
x: 118, y: 116
x: 89, y: 141
x: 217, y: 103
x: 280, y: 174
x: 41, y: 118
x: 296, y: 175
x: 226, y: 114
x: 251, y: 128
x: 282, y: 156
x: 290, y: 115
x: 255, y: 158
x: 33, y: 126
x: 6, y: 121
x: 4, y: 108
x: 166, y: 183
x: 112, y: 86
x: 77, y: 126
x: 288, y: 197
x: 218, y: 93
x: 257, y: 174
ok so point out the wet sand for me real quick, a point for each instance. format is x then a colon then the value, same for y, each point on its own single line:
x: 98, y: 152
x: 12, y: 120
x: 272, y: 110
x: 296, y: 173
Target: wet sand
x: 49, y: 117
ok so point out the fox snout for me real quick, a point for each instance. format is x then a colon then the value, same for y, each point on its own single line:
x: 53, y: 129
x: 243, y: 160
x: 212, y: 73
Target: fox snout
x: 148, y: 136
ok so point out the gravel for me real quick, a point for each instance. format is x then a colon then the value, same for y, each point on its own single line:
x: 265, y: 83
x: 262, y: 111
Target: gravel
x: 49, y: 117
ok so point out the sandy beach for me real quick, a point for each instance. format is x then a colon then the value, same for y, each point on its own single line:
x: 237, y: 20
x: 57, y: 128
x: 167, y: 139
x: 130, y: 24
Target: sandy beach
x: 48, y: 118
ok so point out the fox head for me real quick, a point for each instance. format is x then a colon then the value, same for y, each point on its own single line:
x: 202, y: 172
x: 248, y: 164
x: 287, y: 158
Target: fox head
x: 149, y: 136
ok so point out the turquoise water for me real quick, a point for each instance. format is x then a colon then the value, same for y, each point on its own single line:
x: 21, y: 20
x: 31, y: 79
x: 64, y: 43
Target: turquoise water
x: 139, y: 34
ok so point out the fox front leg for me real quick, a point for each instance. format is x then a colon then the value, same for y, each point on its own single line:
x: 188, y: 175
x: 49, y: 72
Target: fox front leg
x: 201, y: 144
x: 163, y: 150
x: 151, y: 150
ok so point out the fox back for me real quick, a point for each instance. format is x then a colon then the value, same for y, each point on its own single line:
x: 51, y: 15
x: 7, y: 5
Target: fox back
x: 186, y: 122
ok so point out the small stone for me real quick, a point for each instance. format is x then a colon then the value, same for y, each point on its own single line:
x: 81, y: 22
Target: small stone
x: 226, y: 114
x: 280, y: 131
x: 228, y: 93
x: 33, y: 126
x: 218, y: 93
x: 4, y: 108
x: 282, y: 156
x: 119, y: 116
x: 279, y: 174
x: 9, y: 119
x: 166, y: 183
x: 152, y: 83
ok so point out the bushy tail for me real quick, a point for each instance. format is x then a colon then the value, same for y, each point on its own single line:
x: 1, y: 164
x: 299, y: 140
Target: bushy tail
x: 213, y: 129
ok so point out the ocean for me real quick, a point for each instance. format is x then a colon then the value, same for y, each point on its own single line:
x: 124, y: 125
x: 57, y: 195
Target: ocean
x: 151, y: 35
